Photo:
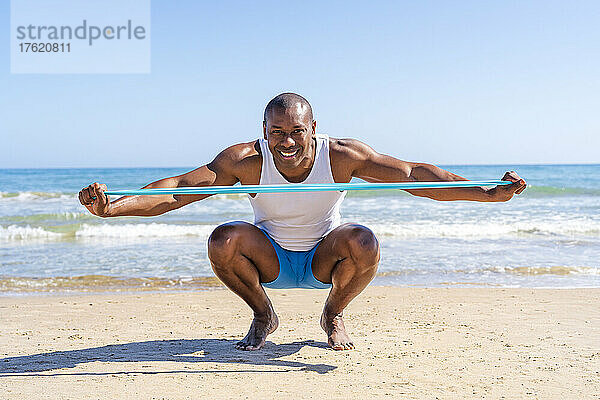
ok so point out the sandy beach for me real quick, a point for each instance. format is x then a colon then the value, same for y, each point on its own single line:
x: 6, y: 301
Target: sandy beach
x: 411, y: 343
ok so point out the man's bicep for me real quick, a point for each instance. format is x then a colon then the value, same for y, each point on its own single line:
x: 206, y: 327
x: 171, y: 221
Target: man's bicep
x: 375, y: 167
x: 218, y: 172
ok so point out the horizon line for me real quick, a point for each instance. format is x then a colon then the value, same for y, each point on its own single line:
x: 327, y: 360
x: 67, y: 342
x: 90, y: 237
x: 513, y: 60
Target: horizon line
x: 193, y: 167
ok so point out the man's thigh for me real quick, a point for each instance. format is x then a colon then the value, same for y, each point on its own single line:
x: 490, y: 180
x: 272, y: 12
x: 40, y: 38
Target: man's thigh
x: 251, y: 243
x: 333, y: 249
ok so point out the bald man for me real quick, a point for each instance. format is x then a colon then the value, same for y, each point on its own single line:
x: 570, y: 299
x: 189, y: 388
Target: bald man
x: 297, y: 239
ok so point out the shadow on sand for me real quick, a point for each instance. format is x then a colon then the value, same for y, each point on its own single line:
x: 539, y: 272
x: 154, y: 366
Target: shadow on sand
x: 183, y: 350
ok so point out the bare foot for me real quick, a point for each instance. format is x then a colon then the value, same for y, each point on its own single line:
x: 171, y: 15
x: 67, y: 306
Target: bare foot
x: 262, y: 325
x: 337, y: 337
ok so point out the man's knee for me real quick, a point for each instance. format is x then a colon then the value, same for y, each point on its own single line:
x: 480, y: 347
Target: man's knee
x: 363, y: 245
x: 223, y: 242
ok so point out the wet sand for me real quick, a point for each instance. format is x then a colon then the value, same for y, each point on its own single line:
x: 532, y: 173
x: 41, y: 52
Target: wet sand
x: 411, y: 343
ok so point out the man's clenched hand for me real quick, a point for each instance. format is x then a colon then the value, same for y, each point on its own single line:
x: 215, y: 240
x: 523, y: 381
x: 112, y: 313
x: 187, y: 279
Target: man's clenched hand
x: 94, y: 199
x: 506, y: 192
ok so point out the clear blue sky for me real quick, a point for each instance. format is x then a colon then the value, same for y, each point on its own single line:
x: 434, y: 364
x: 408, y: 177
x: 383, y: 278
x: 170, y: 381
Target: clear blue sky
x: 463, y: 82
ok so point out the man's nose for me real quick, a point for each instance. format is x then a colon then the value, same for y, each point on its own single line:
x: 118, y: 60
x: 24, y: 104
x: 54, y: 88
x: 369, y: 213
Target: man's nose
x: 287, y: 141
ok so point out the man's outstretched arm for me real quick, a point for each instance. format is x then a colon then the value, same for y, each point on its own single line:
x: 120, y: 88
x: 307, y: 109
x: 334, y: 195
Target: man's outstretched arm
x: 371, y: 166
x: 218, y: 172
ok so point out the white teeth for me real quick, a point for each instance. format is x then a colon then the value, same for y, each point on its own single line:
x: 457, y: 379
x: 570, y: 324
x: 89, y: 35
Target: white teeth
x: 288, y: 154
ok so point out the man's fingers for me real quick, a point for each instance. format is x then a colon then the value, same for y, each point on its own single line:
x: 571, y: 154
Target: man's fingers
x: 83, y: 198
x: 99, y: 192
x: 517, y: 186
x: 80, y: 196
x: 86, y: 196
x: 511, y: 176
x: 89, y: 194
x: 522, y: 187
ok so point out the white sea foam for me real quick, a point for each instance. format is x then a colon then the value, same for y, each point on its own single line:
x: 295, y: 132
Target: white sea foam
x: 425, y: 229
x: 20, y: 233
x: 14, y: 232
x: 143, y: 230
x: 557, y: 270
x: 35, y: 196
x: 548, y: 270
x: 489, y: 229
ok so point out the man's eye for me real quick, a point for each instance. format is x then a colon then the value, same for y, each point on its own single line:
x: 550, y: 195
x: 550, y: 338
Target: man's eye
x: 297, y: 130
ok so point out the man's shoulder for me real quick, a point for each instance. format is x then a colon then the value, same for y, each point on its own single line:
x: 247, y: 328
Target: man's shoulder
x: 239, y: 155
x: 346, y: 155
x: 241, y: 151
x: 348, y: 149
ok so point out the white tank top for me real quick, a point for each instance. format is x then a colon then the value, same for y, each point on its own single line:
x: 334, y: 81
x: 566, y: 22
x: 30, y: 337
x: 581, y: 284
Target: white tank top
x: 297, y: 221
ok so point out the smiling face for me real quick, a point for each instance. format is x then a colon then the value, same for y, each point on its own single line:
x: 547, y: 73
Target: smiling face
x: 290, y: 133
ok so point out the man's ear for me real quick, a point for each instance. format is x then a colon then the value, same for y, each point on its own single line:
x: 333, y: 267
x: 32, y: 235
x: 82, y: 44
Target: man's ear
x: 314, y: 128
x: 265, y: 129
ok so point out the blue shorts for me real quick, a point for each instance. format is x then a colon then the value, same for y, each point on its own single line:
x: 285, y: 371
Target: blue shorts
x: 295, y: 269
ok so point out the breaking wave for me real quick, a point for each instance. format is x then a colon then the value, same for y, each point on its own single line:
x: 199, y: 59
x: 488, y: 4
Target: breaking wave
x: 489, y: 230
x: 15, y: 232
x: 143, y: 230
x: 429, y: 229
x: 152, y: 230
x: 35, y: 196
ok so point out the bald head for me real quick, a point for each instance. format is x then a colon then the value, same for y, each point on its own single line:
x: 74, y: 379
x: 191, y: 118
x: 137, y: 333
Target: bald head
x: 289, y: 102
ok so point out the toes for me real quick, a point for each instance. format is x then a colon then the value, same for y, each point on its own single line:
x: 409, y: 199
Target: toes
x: 241, y: 345
x: 254, y: 347
x: 342, y: 346
x: 248, y: 347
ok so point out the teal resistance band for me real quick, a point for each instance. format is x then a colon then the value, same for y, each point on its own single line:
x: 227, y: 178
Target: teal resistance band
x: 300, y: 187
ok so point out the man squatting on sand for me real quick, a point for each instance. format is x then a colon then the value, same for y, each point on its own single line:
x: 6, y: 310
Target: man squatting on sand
x: 297, y: 239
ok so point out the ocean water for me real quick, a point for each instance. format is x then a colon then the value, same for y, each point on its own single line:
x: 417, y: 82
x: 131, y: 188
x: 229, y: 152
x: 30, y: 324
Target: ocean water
x: 547, y: 237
